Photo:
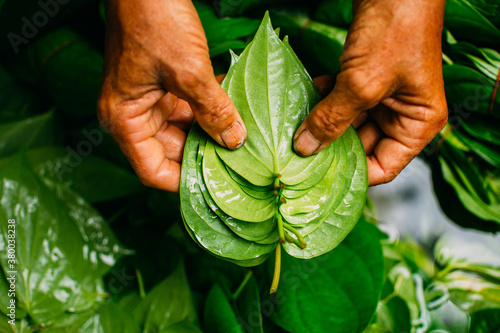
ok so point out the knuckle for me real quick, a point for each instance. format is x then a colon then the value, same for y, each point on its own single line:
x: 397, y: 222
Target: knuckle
x: 218, y: 112
x: 389, y: 176
x: 363, y: 87
x: 147, y: 179
x: 441, y: 118
x: 192, y: 75
x: 105, y: 111
x: 325, y: 120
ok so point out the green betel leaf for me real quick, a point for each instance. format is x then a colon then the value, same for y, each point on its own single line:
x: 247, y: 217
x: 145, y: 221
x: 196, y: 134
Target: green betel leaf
x: 168, y: 303
x: 239, y: 205
x: 321, y: 295
x: 63, y: 247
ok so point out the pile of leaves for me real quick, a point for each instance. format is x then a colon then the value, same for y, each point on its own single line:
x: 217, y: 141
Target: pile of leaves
x: 239, y: 205
x: 98, y: 252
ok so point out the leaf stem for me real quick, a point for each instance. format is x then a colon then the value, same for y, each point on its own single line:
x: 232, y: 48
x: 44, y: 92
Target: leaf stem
x: 291, y: 239
x: 302, y: 244
x: 277, y: 270
x: 140, y: 283
x: 280, y: 228
x: 242, y: 285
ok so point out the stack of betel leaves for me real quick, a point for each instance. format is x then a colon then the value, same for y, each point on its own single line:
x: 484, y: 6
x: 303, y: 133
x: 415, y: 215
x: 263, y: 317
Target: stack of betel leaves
x: 240, y: 205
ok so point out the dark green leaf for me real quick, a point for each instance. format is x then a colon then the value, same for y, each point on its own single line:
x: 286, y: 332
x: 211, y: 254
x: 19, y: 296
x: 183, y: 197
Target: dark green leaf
x: 318, y: 45
x: 453, y: 207
x: 391, y: 316
x: 248, y: 306
x: 319, y: 294
x: 16, y: 101
x: 223, y: 34
x: 166, y: 304
x: 27, y: 133
x: 486, y: 321
x: 92, y: 177
x: 336, y: 12
x: 468, y: 92
x: 219, y: 315
x: 63, y: 247
x: 465, y: 21
x: 108, y: 318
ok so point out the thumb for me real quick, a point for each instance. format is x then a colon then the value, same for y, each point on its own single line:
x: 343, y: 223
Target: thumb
x: 217, y: 115
x: 331, y: 117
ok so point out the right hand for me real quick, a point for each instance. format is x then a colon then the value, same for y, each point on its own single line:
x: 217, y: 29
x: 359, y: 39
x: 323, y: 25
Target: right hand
x: 157, y: 78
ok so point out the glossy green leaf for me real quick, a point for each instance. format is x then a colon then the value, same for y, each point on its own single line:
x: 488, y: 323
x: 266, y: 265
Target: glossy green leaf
x: 470, y: 183
x: 168, y: 303
x: 465, y: 20
x: 249, y: 310
x: 202, y: 223
x: 391, y: 316
x: 219, y: 315
x: 486, y: 60
x: 338, y: 290
x: 107, y: 319
x: 460, y: 139
x: 483, y: 128
x: 92, y: 177
x: 63, y: 247
x: 468, y: 92
x: 452, y: 205
x: 26, y: 133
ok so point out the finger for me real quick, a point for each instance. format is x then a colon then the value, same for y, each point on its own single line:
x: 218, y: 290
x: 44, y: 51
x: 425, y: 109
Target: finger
x: 217, y: 115
x: 333, y: 115
x: 370, y: 134
x: 410, y: 132
x: 361, y: 119
x: 182, y: 116
x: 389, y: 158
x: 172, y: 139
x: 148, y: 158
x: 325, y: 84
x: 220, y: 78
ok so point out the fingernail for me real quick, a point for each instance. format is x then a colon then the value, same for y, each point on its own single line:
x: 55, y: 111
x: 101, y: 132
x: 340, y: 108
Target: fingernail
x: 234, y: 136
x: 306, y: 144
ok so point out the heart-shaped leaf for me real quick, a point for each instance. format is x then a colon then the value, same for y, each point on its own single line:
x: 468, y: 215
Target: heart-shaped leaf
x: 63, y: 247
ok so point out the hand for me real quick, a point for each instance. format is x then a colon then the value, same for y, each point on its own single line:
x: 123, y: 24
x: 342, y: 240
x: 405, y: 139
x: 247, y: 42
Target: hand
x: 157, y: 78
x: 390, y: 86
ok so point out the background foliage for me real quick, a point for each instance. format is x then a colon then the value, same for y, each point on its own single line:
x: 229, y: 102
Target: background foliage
x: 99, y: 252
